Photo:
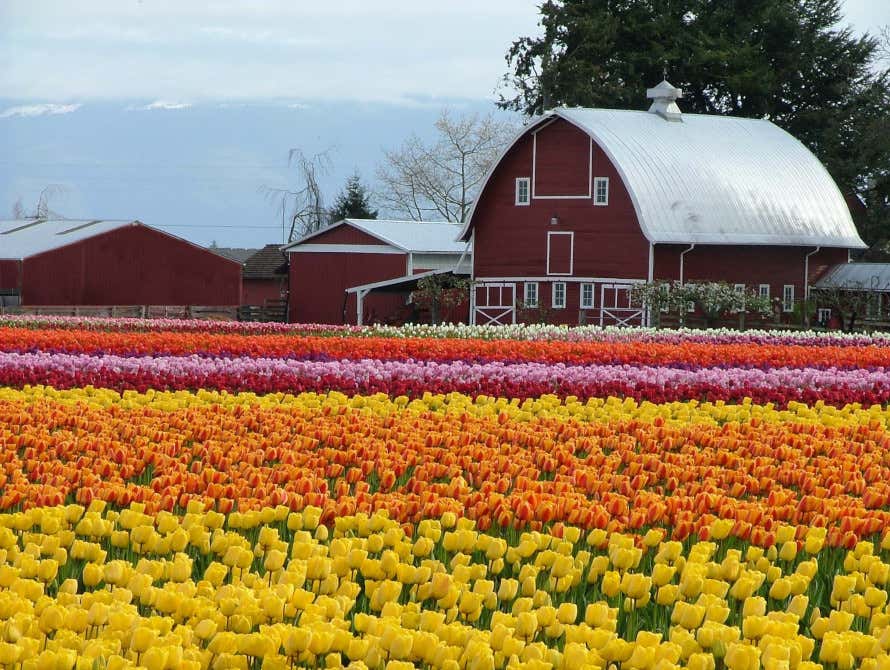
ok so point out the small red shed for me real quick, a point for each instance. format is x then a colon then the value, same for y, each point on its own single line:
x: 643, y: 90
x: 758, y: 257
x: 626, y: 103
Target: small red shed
x: 366, y: 254
x: 586, y: 202
x: 96, y: 262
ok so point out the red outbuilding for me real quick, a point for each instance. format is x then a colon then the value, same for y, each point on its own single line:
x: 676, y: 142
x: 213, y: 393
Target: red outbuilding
x: 93, y: 262
x: 363, y: 270
x: 584, y: 203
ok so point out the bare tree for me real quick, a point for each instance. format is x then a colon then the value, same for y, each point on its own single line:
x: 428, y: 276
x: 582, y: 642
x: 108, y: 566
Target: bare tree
x: 440, y: 180
x: 42, y: 211
x: 302, y: 208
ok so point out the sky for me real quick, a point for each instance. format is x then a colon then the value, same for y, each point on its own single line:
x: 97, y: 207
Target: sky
x: 180, y: 113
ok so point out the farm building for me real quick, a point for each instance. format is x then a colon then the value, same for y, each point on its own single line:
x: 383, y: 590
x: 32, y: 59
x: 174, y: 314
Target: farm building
x: 586, y: 202
x: 93, y: 262
x: 264, y: 276
x: 362, y: 270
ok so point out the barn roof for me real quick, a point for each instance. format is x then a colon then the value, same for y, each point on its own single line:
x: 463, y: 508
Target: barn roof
x: 238, y: 254
x: 709, y: 179
x: 865, y: 276
x: 266, y: 263
x: 22, y: 238
x: 409, y: 236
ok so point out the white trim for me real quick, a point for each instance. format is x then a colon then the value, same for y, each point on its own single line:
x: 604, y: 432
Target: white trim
x: 534, y: 195
x: 592, y: 304
x: 788, y: 298
x: 525, y: 288
x: 761, y: 293
x: 595, y: 280
x: 596, y: 182
x: 528, y: 192
x: 553, y: 304
x: 345, y: 249
x: 571, y: 252
x: 409, y: 266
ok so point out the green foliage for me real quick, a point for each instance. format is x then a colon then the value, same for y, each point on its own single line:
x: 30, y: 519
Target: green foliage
x: 354, y: 202
x: 715, y: 300
x: 441, y: 292
x: 790, y: 61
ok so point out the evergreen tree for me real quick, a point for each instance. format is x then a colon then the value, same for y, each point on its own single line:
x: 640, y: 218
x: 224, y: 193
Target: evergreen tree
x: 785, y: 60
x: 354, y: 202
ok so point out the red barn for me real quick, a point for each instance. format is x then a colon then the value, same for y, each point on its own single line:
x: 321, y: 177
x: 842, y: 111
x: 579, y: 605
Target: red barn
x: 378, y: 259
x: 91, y: 262
x: 586, y: 202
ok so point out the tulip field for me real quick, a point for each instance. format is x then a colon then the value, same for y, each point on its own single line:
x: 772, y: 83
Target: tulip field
x: 179, y: 494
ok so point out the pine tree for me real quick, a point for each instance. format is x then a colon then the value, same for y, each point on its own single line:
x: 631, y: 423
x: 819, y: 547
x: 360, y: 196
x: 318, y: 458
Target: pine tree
x: 354, y: 202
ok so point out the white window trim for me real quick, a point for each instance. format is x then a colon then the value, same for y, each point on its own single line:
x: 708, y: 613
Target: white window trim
x: 525, y: 300
x: 762, y: 293
x: 823, y: 314
x: 571, y: 253
x: 553, y: 295
x: 596, y: 182
x: 592, y: 296
x: 528, y: 192
x: 787, y: 306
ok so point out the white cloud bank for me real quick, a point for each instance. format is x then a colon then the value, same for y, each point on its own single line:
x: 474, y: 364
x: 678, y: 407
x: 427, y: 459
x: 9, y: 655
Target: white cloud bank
x: 38, y: 110
x: 165, y: 105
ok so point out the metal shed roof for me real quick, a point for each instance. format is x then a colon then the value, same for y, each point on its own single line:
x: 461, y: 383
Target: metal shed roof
x: 22, y: 238
x: 867, y: 276
x: 718, y: 179
x: 409, y: 236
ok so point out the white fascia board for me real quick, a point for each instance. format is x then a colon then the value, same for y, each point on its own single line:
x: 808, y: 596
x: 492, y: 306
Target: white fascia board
x: 344, y: 249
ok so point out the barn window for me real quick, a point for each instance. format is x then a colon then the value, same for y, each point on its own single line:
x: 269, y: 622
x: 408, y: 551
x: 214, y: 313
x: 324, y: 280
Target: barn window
x: 788, y: 298
x: 601, y: 191
x: 823, y: 316
x: 559, y: 295
x: 531, y: 294
x: 586, y: 296
x: 522, y: 191
x: 763, y: 290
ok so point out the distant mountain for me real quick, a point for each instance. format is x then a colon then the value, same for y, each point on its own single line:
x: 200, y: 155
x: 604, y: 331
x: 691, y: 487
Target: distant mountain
x: 198, y: 170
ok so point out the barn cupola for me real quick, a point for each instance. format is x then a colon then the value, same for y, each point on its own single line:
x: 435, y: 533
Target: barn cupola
x: 664, y: 101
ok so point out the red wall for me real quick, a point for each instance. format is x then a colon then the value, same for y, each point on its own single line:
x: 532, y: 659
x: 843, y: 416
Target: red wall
x: 511, y: 240
x: 134, y: 265
x: 257, y: 291
x: 318, y: 283
x: 750, y: 265
x: 9, y: 274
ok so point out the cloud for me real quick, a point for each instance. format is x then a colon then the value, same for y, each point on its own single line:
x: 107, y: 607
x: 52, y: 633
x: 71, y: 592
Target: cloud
x: 38, y: 110
x: 161, y: 104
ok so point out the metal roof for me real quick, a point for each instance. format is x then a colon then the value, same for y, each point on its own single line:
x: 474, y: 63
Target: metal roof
x: 408, y: 282
x: 717, y: 179
x: 409, y: 236
x: 22, y: 238
x: 866, y: 276
x: 238, y: 254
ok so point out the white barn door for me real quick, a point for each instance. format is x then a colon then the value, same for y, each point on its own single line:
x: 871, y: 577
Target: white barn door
x: 617, y: 307
x: 494, y: 304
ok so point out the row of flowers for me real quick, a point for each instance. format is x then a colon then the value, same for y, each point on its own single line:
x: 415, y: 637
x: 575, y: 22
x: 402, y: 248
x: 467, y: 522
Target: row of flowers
x: 457, y: 331
x: 396, y: 377
x: 599, y: 464
x: 88, y: 587
x: 686, y: 354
